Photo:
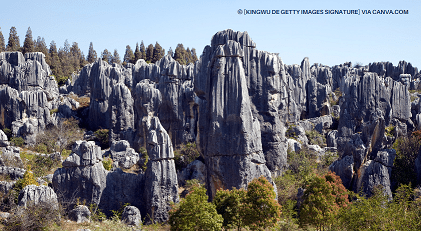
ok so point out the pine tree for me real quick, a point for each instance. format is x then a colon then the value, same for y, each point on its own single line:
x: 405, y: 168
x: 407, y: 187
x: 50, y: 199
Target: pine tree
x: 107, y: 56
x: 170, y: 52
x: 157, y: 53
x: 193, y: 55
x: 92, y: 55
x: 66, y: 59
x: 13, y: 44
x: 128, y: 56
x: 28, y: 44
x: 143, y: 50
x: 41, y: 46
x: 55, y: 64
x: 78, y: 59
x: 180, y: 54
x: 188, y: 56
x: 149, y: 53
x: 116, y: 57
x: 2, y: 44
x: 137, y: 53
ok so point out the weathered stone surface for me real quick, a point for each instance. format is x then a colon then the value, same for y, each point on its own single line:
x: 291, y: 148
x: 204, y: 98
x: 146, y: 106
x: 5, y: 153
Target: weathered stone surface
x: 83, y: 175
x: 374, y: 174
x: 345, y: 169
x: 3, y: 139
x: 38, y: 194
x: 331, y: 139
x: 121, y: 153
x: 80, y: 214
x: 294, y: 145
x: 194, y: 170
x: 131, y: 216
x: 13, y: 173
x: 161, y: 184
x: 5, y: 186
x: 10, y: 156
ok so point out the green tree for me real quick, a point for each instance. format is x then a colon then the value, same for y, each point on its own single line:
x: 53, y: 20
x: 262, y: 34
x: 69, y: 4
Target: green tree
x: 78, y: 59
x: 41, y: 46
x: 188, y: 56
x: 116, y: 57
x: 55, y: 64
x: 2, y: 44
x: 195, y: 212
x: 193, y: 55
x: 261, y: 209
x: 142, y: 50
x: 28, y: 44
x: 170, y: 52
x: 149, y: 53
x: 230, y: 205
x: 137, y: 53
x: 107, y: 56
x: 128, y: 56
x: 180, y: 54
x: 403, y: 171
x: 157, y: 53
x: 66, y: 59
x: 92, y: 55
x: 323, y: 198
x: 13, y: 44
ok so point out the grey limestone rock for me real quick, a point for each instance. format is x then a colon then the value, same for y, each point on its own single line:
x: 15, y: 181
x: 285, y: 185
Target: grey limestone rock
x: 294, y: 145
x: 194, y: 170
x: 10, y: 156
x: 345, y: 169
x: 80, y: 214
x: 83, y: 175
x: 3, y: 139
x: 161, y: 184
x: 121, y: 153
x: 12, y: 172
x: 131, y: 216
x: 38, y: 194
x: 331, y: 139
x: 5, y: 186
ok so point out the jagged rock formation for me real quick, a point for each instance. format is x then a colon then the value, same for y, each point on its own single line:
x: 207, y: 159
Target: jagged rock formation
x: 238, y: 104
x: 83, y: 175
x: 122, y: 155
x: 38, y: 195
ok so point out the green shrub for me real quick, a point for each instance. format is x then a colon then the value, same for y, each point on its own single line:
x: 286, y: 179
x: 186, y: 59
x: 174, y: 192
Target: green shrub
x: 314, y: 137
x: 41, y: 148
x: 103, y: 138
x: 390, y: 130
x: 145, y: 156
x: 107, y: 163
x: 195, y: 212
x: 96, y: 214
x: 18, y: 141
x: 65, y: 153
x: 7, y: 132
x: 229, y: 203
x: 185, y: 155
x: 52, y: 111
x: 403, y: 171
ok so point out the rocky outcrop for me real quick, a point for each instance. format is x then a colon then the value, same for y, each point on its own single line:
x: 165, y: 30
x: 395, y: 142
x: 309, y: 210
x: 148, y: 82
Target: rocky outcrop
x: 38, y: 195
x: 131, y: 216
x: 83, y: 175
x: 122, y: 155
x: 161, y: 184
x: 12, y: 172
x: 80, y: 214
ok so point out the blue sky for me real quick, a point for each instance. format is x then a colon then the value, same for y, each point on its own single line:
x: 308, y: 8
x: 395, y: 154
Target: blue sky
x: 326, y: 39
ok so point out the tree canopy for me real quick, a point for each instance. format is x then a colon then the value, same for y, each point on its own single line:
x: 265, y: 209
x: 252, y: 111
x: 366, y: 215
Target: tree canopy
x: 92, y: 55
x: 28, y: 44
x: 2, y: 44
x: 13, y: 43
